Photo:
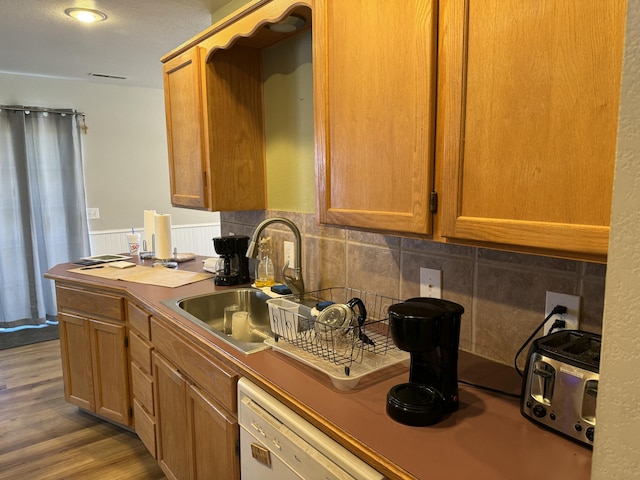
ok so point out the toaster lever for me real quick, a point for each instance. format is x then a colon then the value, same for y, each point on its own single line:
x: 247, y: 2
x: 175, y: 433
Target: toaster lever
x: 542, y: 373
x: 592, y: 391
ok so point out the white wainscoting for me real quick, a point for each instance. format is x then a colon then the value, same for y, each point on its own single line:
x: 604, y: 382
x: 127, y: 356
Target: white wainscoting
x: 186, y: 238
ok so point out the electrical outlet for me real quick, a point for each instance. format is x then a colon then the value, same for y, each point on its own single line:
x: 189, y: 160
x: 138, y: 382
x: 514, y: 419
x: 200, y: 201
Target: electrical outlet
x: 93, y: 213
x: 289, y: 255
x: 430, y: 283
x: 571, y: 318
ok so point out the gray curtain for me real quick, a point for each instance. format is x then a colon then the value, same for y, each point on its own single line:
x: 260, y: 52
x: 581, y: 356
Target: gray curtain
x: 42, y: 212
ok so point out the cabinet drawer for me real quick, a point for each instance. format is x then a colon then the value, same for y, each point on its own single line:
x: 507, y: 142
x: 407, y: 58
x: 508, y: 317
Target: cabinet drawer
x: 213, y: 377
x: 142, y: 388
x: 94, y: 303
x: 145, y: 427
x: 138, y: 319
x: 140, y: 351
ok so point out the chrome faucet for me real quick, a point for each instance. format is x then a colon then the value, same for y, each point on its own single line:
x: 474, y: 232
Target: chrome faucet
x: 295, y: 283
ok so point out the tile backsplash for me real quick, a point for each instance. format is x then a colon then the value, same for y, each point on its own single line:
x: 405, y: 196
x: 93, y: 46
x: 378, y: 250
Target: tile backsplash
x: 503, y: 293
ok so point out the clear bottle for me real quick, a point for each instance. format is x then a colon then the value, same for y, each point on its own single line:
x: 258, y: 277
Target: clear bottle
x: 265, y: 273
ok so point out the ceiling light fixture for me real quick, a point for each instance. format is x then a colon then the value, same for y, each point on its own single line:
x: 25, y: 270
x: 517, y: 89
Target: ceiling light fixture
x: 86, y: 15
x: 288, y: 24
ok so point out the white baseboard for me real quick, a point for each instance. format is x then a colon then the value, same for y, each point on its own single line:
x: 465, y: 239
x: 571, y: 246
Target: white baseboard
x: 186, y: 238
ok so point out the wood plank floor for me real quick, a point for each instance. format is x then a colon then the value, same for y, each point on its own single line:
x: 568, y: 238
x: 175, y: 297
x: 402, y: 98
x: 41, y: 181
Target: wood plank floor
x: 44, y: 438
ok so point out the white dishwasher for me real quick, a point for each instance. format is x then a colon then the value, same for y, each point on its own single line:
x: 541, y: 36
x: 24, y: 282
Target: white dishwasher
x: 278, y: 444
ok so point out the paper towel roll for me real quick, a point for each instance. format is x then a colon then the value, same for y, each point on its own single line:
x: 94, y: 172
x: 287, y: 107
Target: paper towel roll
x: 163, y: 236
x: 149, y: 229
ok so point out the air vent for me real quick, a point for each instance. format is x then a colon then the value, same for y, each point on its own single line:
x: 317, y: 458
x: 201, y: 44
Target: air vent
x: 104, y: 75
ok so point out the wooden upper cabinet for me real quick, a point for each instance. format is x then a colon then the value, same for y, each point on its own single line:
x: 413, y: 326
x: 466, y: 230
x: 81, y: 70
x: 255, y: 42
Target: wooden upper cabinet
x: 215, y: 129
x: 186, y: 136
x: 214, y: 107
x: 234, y: 109
x: 527, y: 122
x: 374, y: 91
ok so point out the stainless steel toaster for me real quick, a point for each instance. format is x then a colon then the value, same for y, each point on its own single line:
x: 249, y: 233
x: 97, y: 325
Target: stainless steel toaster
x: 560, y: 383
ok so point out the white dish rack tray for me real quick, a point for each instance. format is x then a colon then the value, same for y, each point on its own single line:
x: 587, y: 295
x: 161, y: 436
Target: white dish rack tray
x: 341, y: 354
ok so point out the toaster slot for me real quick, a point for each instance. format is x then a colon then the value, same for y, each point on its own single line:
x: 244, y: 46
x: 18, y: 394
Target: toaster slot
x: 559, y: 339
x: 543, y: 378
x: 589, y: 401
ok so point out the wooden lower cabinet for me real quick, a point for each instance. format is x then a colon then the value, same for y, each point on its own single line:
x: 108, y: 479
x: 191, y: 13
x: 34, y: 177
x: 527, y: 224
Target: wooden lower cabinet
x: 181, y: 397
x: 171, y: 414
x: 75, y: 345
x: 94, y: 352
x: 196, y: 438
x: 215, y: 437
x: 110, y: 377
x: 140, y: 349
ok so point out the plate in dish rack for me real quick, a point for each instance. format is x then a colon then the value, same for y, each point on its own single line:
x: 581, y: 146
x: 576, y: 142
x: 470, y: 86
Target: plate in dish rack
x: 370, y: 363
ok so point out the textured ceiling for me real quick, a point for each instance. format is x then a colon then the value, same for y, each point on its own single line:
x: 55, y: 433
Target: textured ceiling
x: 37, y: 38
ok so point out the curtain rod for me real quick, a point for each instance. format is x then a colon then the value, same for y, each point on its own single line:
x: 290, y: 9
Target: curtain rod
x: 20, y: 108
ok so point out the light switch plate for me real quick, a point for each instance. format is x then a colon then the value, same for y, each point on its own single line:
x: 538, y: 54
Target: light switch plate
x: 289, y: 254
x: 430, y: 283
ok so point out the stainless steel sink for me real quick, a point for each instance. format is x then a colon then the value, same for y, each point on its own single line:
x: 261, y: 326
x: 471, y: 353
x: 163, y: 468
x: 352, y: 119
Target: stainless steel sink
x: 207, y: 310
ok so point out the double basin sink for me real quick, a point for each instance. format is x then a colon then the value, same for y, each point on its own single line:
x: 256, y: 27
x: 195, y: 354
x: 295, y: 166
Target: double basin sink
x: 207, y: 310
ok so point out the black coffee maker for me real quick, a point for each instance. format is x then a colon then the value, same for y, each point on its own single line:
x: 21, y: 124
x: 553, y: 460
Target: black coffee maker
x: 428, y: 328
x: 233, y: 266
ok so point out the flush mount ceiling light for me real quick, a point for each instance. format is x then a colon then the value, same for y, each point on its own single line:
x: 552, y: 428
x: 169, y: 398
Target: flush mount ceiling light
x: 288, y: 24
x: 86, y: 15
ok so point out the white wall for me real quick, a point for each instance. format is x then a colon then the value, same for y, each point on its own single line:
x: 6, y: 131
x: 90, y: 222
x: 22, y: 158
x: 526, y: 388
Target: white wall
x: 616, y: 452
x: 125, y: 149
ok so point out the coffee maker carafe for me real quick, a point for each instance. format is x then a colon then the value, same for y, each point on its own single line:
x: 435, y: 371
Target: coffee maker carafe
x: 429, y: 329
x: 233, y: 266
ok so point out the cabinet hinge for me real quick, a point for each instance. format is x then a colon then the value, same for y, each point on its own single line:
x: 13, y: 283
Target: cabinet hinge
x: 126, y: 341
x: 433, y: 202
x: 130, y: 412
x: 238, y: 447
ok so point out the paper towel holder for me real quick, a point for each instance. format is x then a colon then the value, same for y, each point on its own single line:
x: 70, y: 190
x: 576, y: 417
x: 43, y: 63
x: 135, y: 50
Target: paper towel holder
x: 151, y: 254
x: 166, y: 262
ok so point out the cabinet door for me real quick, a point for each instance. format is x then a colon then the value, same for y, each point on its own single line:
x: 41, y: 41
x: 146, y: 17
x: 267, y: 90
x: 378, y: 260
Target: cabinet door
x: 110, y: 372
x: 173, y: 445
x: 75, y: 348
x: 527, y: 121
x: 188, y: 159
x: 215, y: 436
x: 236, y: 129
x: 374, y: 92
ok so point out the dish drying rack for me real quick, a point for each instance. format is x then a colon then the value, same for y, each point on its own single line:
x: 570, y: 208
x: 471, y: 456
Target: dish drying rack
x: 293, y: 323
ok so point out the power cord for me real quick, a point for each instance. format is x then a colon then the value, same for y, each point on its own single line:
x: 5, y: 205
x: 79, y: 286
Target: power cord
x: 560, y: 324
x: 558, y: 309
x: 490, y: 389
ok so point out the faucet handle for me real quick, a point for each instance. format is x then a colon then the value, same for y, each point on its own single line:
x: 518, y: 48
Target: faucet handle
x: 295, y: 283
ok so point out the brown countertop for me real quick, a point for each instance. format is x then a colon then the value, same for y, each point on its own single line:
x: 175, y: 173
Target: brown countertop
x: 486, y: 439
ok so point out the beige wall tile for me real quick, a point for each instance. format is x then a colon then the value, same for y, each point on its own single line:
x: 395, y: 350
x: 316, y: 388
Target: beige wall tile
x: 312, y: 228
x: 373, y: 269
x: 373, y: 238
x: 503, y: 293
x: 509, y: 304
x: 436, y: 248
x: 325, y: 264
x: 457, y: 284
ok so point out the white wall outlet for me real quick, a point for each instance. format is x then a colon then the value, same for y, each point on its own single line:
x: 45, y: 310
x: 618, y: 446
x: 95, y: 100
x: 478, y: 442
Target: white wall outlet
x: 93, y: 213
x: 571, y: 318
x: 289, y: 255
x: 430, y: 283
